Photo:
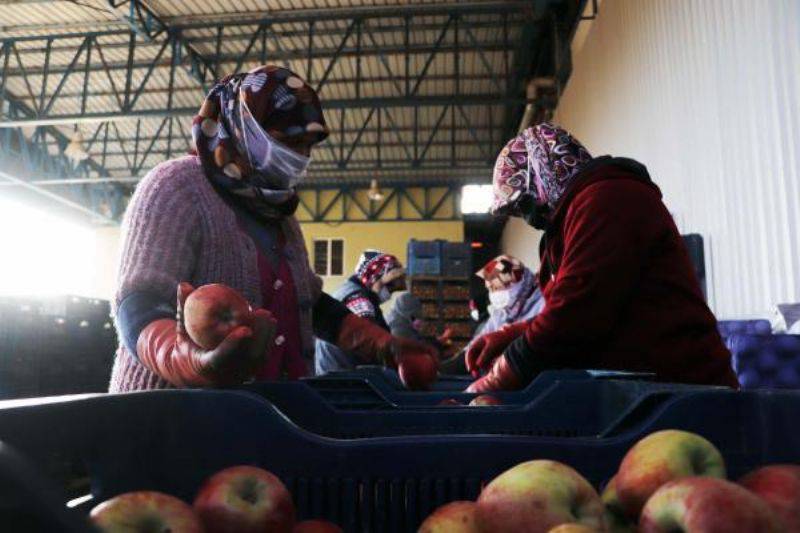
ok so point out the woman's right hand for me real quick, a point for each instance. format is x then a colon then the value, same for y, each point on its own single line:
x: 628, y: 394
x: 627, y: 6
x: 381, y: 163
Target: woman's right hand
x: 165, y: 348
x: 239, y: 356
x: 482, y: 352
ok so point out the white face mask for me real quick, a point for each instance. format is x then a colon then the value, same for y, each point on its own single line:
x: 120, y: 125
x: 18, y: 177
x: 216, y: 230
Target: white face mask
x: 500, y: 299
x: 270, y: 157
x: 384, y: 294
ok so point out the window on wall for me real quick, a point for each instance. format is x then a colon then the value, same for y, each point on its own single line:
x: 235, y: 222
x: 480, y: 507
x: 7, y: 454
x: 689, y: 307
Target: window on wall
x: 329, y: 257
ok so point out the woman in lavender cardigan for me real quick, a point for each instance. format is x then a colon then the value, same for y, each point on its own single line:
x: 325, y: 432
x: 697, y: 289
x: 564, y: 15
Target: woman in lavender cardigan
x: 225, y: 215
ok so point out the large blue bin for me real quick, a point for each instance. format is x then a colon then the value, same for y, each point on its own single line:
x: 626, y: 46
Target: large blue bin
x: 373, y: 388
x: 565, y: 408
x: 172, y: 440
x: 766, y: 361
x: 744, y: 327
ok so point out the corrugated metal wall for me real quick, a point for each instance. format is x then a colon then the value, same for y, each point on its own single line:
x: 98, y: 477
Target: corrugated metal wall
x: 706, y: 93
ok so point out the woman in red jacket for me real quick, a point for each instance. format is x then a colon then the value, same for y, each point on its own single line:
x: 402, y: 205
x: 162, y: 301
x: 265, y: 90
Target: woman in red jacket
x: 619, y: 288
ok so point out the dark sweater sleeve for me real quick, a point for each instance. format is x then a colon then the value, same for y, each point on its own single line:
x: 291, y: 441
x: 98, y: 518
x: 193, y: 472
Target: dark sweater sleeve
x: 135, y: 312
x: 604, y: 252
x: 328, y: 315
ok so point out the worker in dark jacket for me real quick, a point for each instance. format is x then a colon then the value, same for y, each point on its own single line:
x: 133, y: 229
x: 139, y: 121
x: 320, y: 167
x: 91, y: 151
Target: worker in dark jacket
x: 377, y: 276
x: 619, y: 289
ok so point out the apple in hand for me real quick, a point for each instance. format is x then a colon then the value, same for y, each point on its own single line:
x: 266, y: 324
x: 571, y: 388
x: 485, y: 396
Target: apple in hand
x: 779, y: 487
x: 316, y: 526
x: 145, y: 512
x: 616, y: 520
x: 212, y: 312
x: 244, y: 499
x: 706, y: 505
x: 661, y: 457
x: 484, y: 400
x: 536, y: 496
x: 454, y: 517
x: 418, y: 372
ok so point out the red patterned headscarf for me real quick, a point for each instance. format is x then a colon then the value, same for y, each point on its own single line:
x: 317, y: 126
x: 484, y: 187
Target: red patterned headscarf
x: 240, y: 131
x: 374, y: 266
x: 539, y: 162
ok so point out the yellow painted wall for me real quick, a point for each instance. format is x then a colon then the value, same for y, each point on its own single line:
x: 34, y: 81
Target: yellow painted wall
x: 389, y: 237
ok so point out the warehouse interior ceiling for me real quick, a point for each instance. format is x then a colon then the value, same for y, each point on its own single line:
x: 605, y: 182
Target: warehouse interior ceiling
x: 94, y: 93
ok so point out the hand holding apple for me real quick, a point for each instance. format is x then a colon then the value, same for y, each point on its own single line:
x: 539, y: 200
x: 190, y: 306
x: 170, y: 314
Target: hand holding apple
x: 706, y: 505
x: 455, y: 517
x: 218, y: 320
x: 245, y: 499
x: 145, y: 512
x: 212, y: 312
x: 416, y: 363
x: 661, y: 457
x: 779, y: 487
x: 536, y: 496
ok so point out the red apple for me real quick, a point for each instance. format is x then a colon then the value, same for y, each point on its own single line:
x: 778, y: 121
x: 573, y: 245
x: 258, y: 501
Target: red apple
x: 211, y: 312
x: 484, y: 400
x: 316, y: 526
x: 574, y: 528
x: 661, y: 457
x: 536, y: 496
x: 616, y: 520
x: 244, y: 499
x: 706, y: 505
x: 779, y: 487
x: 455, y: 517
x: 418, y: 372
x: 145, y: 512
x: 450, y: 401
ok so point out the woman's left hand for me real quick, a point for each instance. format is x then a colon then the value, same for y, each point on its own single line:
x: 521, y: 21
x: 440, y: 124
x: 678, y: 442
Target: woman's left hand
x: 500, y: 377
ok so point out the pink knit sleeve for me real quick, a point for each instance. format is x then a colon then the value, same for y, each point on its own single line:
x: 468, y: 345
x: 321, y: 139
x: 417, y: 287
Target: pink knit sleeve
x: 160, y: 233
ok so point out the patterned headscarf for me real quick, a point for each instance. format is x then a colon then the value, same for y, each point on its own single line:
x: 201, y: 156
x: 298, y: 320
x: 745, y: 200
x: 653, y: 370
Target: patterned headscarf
x: 540, y: 162
x: 504, y: 269
x: 239, y: 135
x: 509, y: 273
x: 374, y: 266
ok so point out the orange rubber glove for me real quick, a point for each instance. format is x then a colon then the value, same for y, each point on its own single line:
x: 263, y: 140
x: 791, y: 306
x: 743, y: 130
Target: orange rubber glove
x: 417, y: 362
x: 485, y: 349
x: 499, y: 378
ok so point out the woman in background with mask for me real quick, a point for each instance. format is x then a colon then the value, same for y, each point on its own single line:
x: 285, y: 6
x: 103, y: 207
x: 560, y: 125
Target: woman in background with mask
x: 226, y: 215
x: 514, y: 293
x: 618, y: 284
x: 376, y: 277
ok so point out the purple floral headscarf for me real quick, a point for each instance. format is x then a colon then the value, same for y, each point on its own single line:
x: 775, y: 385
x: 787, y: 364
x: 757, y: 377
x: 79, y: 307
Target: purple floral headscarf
x: 541, y: 162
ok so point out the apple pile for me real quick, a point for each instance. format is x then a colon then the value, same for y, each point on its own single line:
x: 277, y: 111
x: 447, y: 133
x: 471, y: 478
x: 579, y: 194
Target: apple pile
x: 669, y: 482
x: 239, y: 499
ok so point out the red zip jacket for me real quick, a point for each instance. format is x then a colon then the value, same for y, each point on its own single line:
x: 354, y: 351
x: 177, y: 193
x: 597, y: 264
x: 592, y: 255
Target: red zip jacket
x: 620, y: 289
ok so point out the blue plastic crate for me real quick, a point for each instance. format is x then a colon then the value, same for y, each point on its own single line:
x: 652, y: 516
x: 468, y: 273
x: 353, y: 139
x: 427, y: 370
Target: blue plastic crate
x: 766, y: 361
x: 567, y: 408
x: 172, y: 440
x: 381, y: 389
x: 744, y: 327
x: 456, y: 259
x: 424, y: 258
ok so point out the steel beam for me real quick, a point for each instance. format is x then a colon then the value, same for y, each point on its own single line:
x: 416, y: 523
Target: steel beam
x: 28, y: 184
x: 366, y: 102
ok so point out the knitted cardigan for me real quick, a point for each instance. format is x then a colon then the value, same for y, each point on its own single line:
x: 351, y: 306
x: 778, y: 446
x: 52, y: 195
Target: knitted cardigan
x: 177, y: 228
